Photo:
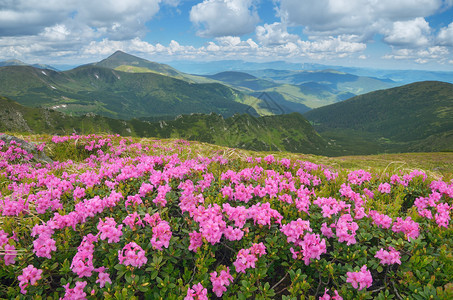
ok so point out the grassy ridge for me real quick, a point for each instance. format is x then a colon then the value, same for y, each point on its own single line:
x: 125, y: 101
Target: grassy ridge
x: 415, y: 117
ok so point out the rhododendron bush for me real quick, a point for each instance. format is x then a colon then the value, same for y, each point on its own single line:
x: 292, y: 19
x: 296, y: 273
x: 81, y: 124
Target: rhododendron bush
x: 115, y: 218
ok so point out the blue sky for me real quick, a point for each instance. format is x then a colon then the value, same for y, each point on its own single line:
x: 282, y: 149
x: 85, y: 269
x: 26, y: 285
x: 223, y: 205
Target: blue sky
x: 404, y: 34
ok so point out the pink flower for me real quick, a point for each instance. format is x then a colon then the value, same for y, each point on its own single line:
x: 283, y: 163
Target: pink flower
x: 384, y: 188
x: 295, y: 230
x: 359, y: 176
x: 43, y: 246
x: 244, y: 260
x: 133, y: 219
x: 10, y: 254
x: 386, y: 257
x: 233, y: 234
x: 161, y: 235
x: 327, y: 296
x: 132, y: 254
x: 109, y: 231
x: 103, y: 277
x: 133, y: 200
x: 346, y: 229
x: 30, y: 275
x: 220, y: 283
x: 327, y: 231
x: 196, y: 240
x: 407, y: 226
x: 258, y: 249
x: 443, y: 214
x: 75, y: 293
x: 197, y: 292
x: 381, y: 220
x: 362, y: 278
x: 145, y: 188
x: 312, y: 247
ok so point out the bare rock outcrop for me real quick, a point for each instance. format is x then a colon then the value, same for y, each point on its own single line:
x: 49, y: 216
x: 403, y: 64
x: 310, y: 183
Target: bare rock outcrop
x: 30, y: 147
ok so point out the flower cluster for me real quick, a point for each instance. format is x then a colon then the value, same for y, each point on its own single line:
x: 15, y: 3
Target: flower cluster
x: 132, y: 255
x: 246, y: 258
x: 361, y: 279
x: 197, y: 216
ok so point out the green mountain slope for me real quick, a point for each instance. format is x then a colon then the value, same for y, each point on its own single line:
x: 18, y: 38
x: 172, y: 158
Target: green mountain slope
x: 277, y: 133
x: 414, y: 117
x: 291, y: 132
x: 129, y: 63
x: 119, y: 94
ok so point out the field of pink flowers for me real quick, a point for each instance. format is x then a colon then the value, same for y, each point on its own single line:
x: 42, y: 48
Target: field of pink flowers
x: 117, y: 219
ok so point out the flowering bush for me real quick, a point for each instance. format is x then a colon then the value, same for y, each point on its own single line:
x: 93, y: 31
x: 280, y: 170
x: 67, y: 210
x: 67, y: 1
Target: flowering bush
x: 113, y: 218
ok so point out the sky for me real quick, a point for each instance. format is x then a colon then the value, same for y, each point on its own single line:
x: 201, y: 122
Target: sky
x: 396, y: 34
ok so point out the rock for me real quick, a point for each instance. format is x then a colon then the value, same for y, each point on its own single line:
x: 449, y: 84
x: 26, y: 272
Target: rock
x: 39, y: 156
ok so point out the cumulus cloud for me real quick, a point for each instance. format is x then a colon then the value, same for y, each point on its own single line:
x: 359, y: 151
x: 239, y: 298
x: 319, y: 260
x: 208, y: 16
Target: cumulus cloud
x: 224, y: 17
x: 231, y: 46
x: 412, y: 33
x: 421, y: 56
x: 115, y: 18
x: 274, y: 34
x: 363, y: 18
x: 23, y: 17
x: 445, y: 36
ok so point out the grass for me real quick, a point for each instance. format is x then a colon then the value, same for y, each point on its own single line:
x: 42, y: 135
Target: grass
x: 436, y: 164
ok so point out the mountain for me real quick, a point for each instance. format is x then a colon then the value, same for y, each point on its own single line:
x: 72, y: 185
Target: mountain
x: 300, y: 91
x: 129, y: 63
x: 118, y: 94
x: 16, y: 62
x: 243, y: 80
x: 414, y: 117
x: 339, y: 81
x: 213, y: 67
x: 277, y: 133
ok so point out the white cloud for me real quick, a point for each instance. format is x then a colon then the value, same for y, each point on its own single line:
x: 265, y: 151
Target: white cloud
x: 28, y: 17
x: 229, y: 46
x: 413, y: 33
x: 274, y: 34
x: 445, y: 36
x: 437, y: 54
x: 58, y: 32
x: 114, y: 18
x: 363, y: 18
x: 224, y: 17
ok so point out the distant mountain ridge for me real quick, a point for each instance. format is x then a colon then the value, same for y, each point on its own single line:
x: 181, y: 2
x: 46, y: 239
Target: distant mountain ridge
x: 16, y: 62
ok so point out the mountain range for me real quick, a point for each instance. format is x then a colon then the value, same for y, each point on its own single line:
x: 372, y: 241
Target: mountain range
x: 78, y: 92
x: 257, y: 109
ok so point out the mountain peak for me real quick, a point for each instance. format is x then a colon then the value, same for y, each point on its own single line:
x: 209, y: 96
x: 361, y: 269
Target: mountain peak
x: 121, y: 61
x: 122, y: 58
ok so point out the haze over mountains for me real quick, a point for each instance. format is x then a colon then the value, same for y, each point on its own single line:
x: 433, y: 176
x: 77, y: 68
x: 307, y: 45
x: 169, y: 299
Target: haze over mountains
x: 156, y: 100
